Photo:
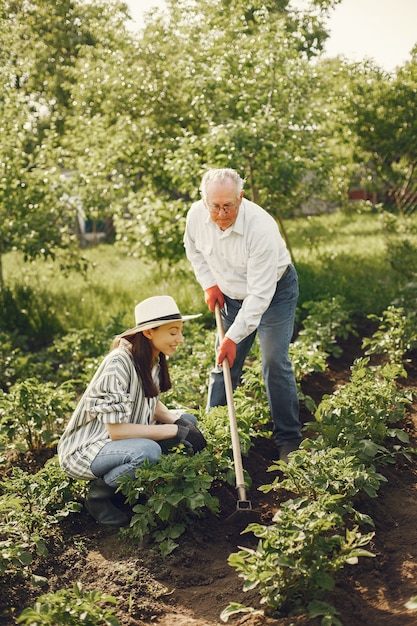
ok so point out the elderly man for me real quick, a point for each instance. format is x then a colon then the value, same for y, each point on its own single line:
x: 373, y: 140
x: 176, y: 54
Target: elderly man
x: 241, y: 261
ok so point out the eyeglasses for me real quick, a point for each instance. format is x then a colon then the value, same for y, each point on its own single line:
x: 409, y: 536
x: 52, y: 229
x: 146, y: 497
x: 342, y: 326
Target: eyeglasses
x: 226, y: 208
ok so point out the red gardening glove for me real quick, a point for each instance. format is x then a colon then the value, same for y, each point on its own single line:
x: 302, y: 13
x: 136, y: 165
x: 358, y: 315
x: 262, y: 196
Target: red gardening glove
x: 213, y: 295
x: 226, y: 350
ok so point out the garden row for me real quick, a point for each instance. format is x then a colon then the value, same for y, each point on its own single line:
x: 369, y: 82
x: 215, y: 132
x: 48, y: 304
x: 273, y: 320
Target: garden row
x: 315, y: 532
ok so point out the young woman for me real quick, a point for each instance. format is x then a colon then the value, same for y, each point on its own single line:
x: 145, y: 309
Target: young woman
x: 120, y: 421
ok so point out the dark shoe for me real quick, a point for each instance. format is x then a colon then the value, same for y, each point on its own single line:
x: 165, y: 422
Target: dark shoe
x: 99, y: 505
x: 286, y: 449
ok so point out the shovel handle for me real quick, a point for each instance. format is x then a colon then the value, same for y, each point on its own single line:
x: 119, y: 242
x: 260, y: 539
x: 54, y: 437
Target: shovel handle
x: 237, y: 455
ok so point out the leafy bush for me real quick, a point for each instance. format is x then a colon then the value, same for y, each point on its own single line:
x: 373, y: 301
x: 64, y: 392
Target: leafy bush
x: 312, y: 473
x: 190, y: 367
x: 363, y: 409
x: 297, y: 555
x: 34, y: 413
x: 327, y: 320
x: 400, y: 234
x: 70, y: 607
x: 77, y: 354
x: 30, y: 314
x: 396, y: 335
x: 13, y: 362
x: 176, y: 490
x: 31, y: 506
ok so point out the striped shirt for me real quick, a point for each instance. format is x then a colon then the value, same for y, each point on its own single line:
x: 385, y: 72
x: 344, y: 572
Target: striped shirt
x: 115, y: 395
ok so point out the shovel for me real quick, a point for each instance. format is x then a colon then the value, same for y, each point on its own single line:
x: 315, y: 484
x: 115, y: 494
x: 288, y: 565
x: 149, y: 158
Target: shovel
x: 243, y: 504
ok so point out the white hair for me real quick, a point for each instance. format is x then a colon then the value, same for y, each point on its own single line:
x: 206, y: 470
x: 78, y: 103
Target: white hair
x: 220, y: 175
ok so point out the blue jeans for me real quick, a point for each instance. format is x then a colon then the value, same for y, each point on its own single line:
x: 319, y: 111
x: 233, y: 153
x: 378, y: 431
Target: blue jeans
x: 275, y: 333
x: 124, y: 456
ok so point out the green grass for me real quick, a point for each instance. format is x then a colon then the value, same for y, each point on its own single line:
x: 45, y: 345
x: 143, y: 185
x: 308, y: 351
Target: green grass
x: 344, y: 254
x: 341, y: 254
x: 112, y: 287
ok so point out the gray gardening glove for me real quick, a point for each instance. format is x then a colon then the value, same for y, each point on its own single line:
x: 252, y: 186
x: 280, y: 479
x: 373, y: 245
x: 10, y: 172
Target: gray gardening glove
x: 181, y: 421
x: 190, y: 436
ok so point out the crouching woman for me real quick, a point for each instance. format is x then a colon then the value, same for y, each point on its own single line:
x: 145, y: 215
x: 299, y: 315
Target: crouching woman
x: 120, y: 421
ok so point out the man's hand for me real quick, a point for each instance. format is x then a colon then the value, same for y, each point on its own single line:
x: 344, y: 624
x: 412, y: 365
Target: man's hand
x: 227, y: 350
x: 213, y: 295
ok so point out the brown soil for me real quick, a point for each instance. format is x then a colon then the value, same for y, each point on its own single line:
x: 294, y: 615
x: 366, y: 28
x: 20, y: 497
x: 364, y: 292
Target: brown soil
x: 195, y: 583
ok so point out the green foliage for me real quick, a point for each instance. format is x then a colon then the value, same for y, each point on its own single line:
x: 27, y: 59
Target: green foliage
x: 15, y: 555
x: 236, y: 120
x: 298, y: 554
x: 13, y: 362
x: 155, y: 231
x: 176, y: 491
x: 217, y: 432
x: 38, y: 211
x: 326, y: 473
x: 31, y: 505
x: 362, y: 409
x: 34, y: 413
x: 400, y: 233
x: 30, y: 315
x: 357, y: 419
x: 252, y: 409
x: 395, y: 337
x: 384, y: 124
x: 326, y: 322
x: 192, y: 360
x: 312, y: 473
x: 306, y: 358
x: 77, y: 354
x: 70, y: 607
x: 338, y: 255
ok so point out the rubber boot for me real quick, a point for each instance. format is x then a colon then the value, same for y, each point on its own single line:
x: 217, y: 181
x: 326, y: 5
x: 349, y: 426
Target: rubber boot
x: 99, y: 505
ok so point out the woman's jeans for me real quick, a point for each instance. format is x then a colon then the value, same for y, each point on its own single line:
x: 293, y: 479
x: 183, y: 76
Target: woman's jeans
x: 124, y: 456
x: 275, y: 333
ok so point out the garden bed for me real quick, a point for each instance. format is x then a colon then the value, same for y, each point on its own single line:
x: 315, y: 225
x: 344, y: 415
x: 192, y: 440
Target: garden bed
x: 194, y: 584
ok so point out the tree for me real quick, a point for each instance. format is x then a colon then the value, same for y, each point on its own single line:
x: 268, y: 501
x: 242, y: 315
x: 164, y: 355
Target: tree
x: 122, y: 126
x: 384, y: 119
x: 41, y: 52
x: 229, y: 83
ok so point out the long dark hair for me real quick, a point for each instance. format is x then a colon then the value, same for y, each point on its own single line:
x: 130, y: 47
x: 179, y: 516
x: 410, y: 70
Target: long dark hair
x: 142, y: 359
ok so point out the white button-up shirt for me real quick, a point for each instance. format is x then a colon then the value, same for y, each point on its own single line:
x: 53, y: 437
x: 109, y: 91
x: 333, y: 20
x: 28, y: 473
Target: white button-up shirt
x: 245, y: 261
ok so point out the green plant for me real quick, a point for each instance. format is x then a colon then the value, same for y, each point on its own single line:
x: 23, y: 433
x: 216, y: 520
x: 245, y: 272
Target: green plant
x: 70, y: 607
x: 296, y: 556
x: 77, y: 354
x: 187, y: 368
x: 33, y: 413
x: 396, y: 334
x: 400, y: 234
x: 176, y: 490
x: 31, y: 506
x: 307, y: 358
x: 312, y: 473
x: 15, y: 556
x: 30, y: 313
x: 252, y: 409
x: 13, y: 362
x: 327, y: 320
x: 363, y: 409
x: 217, y: 432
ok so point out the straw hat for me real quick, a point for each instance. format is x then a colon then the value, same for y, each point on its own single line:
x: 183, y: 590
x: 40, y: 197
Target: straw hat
x: 154, y: 312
